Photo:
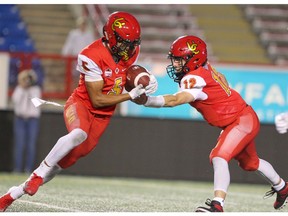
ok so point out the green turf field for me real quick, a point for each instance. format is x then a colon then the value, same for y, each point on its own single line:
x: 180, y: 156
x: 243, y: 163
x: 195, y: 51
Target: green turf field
x: 97, y: 194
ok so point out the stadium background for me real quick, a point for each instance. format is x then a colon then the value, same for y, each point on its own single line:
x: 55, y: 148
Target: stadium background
x: 156, y: 144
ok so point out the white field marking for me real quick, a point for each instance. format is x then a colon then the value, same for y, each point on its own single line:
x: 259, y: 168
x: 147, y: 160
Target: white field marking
x: 49, y: 206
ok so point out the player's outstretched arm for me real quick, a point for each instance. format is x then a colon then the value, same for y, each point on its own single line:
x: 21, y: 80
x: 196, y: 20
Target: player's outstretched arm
x: 169, y: 100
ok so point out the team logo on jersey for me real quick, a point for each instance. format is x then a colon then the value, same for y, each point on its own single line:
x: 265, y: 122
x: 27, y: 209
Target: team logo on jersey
x: 117, y: 87
x: 192, y: 47
x: 118, y: 23
x: 108, y: 72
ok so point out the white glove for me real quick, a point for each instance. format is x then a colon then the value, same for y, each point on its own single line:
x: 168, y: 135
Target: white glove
x: 153, y: 85
x: 136, y: 92
x: 281, y: 122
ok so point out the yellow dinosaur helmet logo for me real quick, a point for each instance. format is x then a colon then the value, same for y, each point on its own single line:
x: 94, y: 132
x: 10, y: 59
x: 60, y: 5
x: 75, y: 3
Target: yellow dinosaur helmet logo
x: 193, y: 47
x: 118, y: 23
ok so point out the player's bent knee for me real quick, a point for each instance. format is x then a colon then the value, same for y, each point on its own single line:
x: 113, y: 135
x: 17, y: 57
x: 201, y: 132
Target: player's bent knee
x: 219, y: 154
x: 78, y: 136
x: 250, y: 166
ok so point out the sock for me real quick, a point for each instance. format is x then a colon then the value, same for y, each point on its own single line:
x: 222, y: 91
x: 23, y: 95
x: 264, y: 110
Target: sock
x: 221, y: 174
x: 43, y: 170
x: 51, y: 173
x: 279, y: 186
x: 16, y: 191
x: 220, y: 200
x: 64, y: 145
x: 266, y: 170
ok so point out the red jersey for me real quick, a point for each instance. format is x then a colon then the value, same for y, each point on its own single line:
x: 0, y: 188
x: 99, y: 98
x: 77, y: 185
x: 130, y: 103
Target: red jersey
x: 218, y: 103
x: 96, y: 60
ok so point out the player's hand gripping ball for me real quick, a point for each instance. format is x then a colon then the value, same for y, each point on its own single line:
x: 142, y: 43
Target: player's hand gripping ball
x: 137, y: 75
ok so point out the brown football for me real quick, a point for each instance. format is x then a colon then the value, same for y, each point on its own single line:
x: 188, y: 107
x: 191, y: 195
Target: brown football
x: 136, y: 75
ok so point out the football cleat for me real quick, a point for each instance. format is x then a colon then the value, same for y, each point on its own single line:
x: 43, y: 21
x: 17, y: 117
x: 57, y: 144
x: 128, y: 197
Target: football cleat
x: 5, y: 201
x: 214, y: 206
x: 33, y: 184
x: 281, y: 198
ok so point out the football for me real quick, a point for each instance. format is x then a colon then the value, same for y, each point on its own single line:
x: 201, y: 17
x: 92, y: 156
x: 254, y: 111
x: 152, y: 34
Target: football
x: 136, y: 75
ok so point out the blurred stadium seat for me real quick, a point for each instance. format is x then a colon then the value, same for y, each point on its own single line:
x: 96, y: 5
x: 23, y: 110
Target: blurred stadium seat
x: 18, y: 30
x: 13, y: 31
x: 9, y: 13
x: 14, y: 37
x: 270, y: 22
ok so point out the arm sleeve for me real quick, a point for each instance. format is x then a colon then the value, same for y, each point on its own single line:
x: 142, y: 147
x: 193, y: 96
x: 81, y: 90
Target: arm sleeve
x: 155, y: 101
x: 194, y: 85
x: 88, y: 67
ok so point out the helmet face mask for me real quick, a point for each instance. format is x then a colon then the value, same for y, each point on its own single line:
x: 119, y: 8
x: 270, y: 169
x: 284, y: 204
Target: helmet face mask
x: 175, y: 69
x: 122, y: 35
x: 124, y: 48
x: 173, y: 74
x: 187, y: 53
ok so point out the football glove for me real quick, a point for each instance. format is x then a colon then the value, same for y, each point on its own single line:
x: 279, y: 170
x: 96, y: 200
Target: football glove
x: 142, y: 99
x: 136, y: 92
x: 153, y: 85
x: 281, y: 122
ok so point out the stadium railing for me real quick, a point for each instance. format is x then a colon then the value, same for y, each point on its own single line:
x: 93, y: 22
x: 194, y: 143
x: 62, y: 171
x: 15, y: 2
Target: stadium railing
x: 57, y: 85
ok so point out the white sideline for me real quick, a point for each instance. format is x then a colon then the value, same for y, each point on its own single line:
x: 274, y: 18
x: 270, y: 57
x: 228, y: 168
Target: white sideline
x: 49, y: 206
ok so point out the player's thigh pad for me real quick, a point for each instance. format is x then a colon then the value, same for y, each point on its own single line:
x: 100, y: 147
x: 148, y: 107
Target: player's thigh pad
x: 237, y: 136
x: 97, y: 128
x: 76, y: 115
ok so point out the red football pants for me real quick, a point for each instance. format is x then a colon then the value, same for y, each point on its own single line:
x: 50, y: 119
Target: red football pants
x: 76, y: 115
x: 237, y: 141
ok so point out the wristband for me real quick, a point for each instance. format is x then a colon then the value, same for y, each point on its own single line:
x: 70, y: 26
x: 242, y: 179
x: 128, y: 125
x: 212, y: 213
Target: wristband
x: 155, y: 101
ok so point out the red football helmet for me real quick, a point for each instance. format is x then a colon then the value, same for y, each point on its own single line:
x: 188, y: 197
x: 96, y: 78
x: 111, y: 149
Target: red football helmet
x: 192, y: 50
x: 122, y: 33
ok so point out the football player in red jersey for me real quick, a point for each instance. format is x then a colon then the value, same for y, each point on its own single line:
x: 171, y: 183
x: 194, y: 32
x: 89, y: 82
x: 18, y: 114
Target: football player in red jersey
x: 207, y: 90
x: 87, y: 112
